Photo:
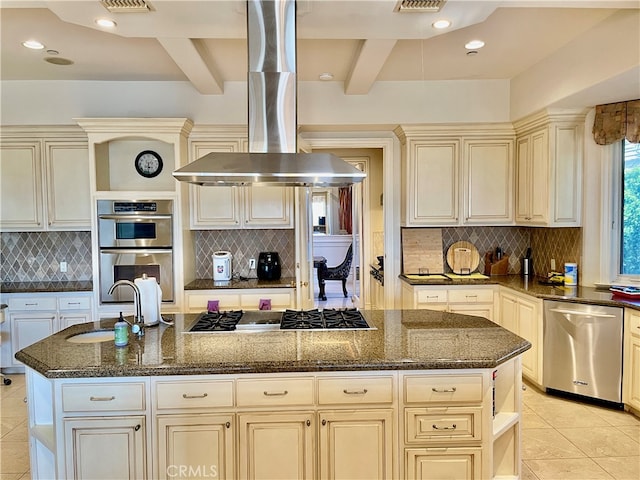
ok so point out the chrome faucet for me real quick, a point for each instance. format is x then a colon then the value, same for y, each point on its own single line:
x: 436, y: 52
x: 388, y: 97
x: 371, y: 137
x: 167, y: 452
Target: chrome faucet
x: 137, y: 319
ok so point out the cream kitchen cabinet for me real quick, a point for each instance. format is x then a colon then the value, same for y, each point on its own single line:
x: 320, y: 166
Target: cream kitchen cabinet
x: 274, y: 444
x: 457, y: 175
x: 356, y: 444
x: 631, y: 371
x: 239, y: 299
x: 113, y: 447
x: 522, y: 314
x: 44, y: 185
x: 468, y: 300
x: 34, y: 316
x: 549, y: 156
x: 104, y: 418
x: 237, y: 207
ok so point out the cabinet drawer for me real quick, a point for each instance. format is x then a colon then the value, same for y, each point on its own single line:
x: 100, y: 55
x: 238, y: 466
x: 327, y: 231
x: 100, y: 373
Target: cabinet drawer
x: 32, y: 303
x: 96, y: 397
x: 74, y: 303
x: 251, y: 301
x: 443, y: 425
x: 194, y: 394
x: 226, y: 301
x: 443, y: 389
x: 349, y: 390
x: 431, y: 296
x: 471, y: 296
x: 285, y: 391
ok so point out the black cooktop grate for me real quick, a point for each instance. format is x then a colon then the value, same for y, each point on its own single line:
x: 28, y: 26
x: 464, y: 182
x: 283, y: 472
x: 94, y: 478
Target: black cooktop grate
x: 217, y: 321
x: 344, y: 318
x: 301, y: 319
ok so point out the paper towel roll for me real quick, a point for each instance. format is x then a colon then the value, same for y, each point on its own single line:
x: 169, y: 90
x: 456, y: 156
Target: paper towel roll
x: 150, y: 298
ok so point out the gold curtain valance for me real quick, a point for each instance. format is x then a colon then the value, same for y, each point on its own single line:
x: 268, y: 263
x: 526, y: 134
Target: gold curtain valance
x: 615, y: 121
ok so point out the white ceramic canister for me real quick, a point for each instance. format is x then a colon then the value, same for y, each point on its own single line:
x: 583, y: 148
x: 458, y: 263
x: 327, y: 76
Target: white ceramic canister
x: 571, y: 274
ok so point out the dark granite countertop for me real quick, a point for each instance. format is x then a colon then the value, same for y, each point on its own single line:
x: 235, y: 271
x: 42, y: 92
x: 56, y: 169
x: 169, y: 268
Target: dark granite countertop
x: 402, y: 340
x: 209, y: 284
x: 33, y: 287
x: 533, y: 287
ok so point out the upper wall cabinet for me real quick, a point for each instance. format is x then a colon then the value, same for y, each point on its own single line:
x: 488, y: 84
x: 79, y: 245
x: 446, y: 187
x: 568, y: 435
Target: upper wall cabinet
x: 549, y: 157
x: 457, y: 174
x: 45, y: 180
x: 222, y: 208
x: 116, y: 146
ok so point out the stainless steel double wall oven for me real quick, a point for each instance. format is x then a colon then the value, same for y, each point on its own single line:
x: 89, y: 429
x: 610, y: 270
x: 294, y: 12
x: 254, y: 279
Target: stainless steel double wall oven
x: 135, y: 237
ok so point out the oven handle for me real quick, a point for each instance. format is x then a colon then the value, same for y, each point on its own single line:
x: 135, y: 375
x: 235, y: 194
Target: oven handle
x: 136, y: 250
x: 135, y: 217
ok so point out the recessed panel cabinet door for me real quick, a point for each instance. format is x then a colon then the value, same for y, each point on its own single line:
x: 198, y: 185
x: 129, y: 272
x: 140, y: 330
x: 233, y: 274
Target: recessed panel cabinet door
x: 105, y: 448
x: 276, y: 446
x: 268, y: 207
x: 68, y: 195
x: 214, y: 207
x: 20, y: 187
x: 196, y: 445
x: 433, y: 179
x: 488, y: 181
x: 356, y: 445
x: 438, y: 463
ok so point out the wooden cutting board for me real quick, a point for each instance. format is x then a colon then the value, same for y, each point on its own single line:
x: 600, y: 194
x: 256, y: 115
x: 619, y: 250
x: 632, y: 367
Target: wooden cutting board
x: 422, y: 251
x: 463, y: 258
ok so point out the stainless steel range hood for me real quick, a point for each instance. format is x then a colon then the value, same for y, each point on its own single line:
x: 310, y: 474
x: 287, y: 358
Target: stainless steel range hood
x: 272, y: 157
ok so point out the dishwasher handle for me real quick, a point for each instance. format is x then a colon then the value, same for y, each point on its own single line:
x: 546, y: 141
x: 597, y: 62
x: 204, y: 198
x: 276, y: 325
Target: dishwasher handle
x: 582, y: 314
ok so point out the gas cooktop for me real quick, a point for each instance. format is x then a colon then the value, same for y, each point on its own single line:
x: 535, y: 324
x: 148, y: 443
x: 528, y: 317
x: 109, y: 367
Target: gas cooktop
x: 327, y: 319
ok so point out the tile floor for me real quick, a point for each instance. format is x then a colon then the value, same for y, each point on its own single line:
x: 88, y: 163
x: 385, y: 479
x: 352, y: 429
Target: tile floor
x: 14, y: 448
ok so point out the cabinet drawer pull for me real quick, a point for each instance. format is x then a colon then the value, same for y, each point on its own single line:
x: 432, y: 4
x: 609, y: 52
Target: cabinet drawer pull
x: 355, y: 392
x: 73, y: 303
x: 184, y: 395
x: 471, y: 296
x: 435, y: 427
x: 275, y: 394
x: 228, y: 424
x: 31, y: 304
x: 137, y: 427
x: 102, y: 399
x: 443, y: 390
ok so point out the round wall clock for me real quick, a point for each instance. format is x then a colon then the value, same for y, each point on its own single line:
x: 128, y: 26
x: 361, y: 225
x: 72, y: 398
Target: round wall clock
x: 148, y: 164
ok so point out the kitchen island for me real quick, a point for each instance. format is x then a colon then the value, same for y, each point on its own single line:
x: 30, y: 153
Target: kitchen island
x: 421, y: 393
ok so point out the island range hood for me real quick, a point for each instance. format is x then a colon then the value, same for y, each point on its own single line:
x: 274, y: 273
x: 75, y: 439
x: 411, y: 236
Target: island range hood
x: 272, y: 158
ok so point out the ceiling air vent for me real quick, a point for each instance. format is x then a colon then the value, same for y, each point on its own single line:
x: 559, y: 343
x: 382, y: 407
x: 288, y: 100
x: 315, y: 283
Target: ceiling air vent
x: 126, y: 6
x: 419, y: 6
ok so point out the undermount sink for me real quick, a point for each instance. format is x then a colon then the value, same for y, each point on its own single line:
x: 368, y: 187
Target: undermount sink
x: 95, y: 336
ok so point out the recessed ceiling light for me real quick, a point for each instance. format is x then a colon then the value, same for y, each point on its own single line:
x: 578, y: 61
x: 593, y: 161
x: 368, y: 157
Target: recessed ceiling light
x: 59, y: 61
x: 471, y: 53
x: 474, y: 45
x: 33, y: 44
x: 53, y: 52
x: 105, y: 22
x: 326, y: 76
x: 440, y: 24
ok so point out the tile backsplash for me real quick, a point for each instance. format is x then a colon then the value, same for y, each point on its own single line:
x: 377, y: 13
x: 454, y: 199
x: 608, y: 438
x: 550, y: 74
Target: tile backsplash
x: 243, y: 245
x: 36, y: 256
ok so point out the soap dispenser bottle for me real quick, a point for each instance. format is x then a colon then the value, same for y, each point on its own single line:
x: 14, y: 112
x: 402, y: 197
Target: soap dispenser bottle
x: 121, y: 329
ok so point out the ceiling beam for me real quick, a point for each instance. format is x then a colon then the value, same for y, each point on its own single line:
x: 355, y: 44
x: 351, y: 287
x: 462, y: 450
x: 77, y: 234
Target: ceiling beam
x: 367, y: 65
x: 193, y: 58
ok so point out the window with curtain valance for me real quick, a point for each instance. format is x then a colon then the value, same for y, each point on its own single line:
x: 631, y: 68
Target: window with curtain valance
x: 615, y: 121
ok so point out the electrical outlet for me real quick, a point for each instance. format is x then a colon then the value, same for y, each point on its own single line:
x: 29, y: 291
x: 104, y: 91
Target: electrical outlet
x: 553, y: 264
x: 252, y: 264
x: 63, y: 266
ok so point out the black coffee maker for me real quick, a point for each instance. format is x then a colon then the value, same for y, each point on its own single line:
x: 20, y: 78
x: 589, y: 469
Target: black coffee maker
x: 269, y: 266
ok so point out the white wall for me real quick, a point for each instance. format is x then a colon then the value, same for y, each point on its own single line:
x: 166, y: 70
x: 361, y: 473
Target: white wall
x: 600, y: 54
x: 389, y: 103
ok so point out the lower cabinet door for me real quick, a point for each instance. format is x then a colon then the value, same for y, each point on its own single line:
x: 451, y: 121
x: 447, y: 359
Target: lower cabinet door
x: 195, y: 446
x: 105, y: 448
x: 438, y: 463
x: 276, y: 446
x: 356, y: 444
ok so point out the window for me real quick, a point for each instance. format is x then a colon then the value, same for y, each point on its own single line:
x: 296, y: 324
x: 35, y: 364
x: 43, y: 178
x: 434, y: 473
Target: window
x: 630, y: 212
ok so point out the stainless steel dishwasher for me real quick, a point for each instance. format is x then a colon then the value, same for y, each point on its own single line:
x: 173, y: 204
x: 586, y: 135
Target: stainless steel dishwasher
x: 582, y: 350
